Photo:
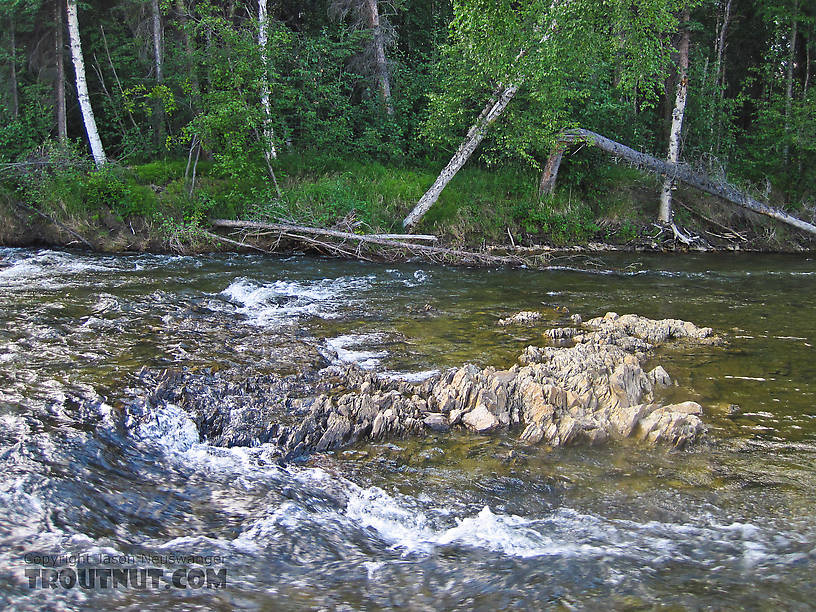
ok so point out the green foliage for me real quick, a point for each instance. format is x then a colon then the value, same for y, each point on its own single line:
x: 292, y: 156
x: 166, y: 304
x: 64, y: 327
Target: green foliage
x: 560, y: 53
x: 605, y: 66
x: 20, y: 135
x: 561, y: 221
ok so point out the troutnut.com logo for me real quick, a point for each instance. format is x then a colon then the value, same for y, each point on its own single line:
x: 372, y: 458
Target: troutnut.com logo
x: 101, y: 572
x: 140, y: 578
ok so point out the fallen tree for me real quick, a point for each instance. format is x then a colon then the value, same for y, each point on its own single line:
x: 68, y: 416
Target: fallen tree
x: 674, y: 172
x: 389, y: 246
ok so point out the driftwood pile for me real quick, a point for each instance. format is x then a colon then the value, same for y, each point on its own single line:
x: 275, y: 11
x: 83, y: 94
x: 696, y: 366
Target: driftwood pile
x: 370, y: 247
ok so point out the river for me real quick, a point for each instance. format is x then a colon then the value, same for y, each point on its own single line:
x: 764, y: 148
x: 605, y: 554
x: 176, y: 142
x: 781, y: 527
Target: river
x: 453, y: 521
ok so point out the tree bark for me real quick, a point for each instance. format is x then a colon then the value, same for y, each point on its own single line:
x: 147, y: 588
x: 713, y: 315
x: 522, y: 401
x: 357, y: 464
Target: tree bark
x: 59, y: 84
x: 268, y: 132
x: 82, y: 85
x: 665, y: 211
x: 158, y: 63
x: 683, y: 173
x: 789, y: 88
x: 720, y: 72
x: 382, y: 77
x: 550, y: 172
x: 475, y: 136
x: 15, y: 101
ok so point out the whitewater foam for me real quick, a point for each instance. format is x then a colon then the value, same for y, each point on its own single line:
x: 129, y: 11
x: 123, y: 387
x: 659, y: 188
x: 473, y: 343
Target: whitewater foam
x: 269, y: 304
x: 366, y: 359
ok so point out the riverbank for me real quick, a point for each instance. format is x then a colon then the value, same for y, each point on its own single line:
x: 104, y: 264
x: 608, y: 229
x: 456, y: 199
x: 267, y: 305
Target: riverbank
x: 154, y: 208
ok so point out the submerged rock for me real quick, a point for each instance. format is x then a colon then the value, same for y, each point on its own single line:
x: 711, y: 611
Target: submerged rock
x: 589, y: 392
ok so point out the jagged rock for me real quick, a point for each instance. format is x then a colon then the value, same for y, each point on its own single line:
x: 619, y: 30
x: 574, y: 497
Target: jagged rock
x: 481, y: 420
x: 677, y: 424
x: 521, y: 318
x: 559, y: 333
x: 659, y: 377
x: 653, y: 331
x: 588, y: 392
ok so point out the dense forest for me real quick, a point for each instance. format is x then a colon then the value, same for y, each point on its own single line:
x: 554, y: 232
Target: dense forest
x: 175, y: 111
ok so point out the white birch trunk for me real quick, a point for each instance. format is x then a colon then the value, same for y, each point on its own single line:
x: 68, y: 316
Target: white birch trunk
x: 474, y: 137
x: 158, y: 63
x: 665, y: 212
x: 682, y: 172
x: 268, y: 133
x: 82, y: 86
x: 383, y: 80
x: 492, y: 111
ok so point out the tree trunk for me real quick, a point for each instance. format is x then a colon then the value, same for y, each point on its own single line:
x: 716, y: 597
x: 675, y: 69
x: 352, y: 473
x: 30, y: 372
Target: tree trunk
x: 493, y: 110
x: 383, y: 79
x: 15, y: 101
x: 475, y: 135
x: 789, y: 89
x: 807, y: 70
x: 268, y: 132
x: 59, y: 84
x: 720, y: 72
x: 665, y: 212
x: 550, y: 172
x: 683, y: 173
x: 82, y: 85
x: 721, y: 38
x: 158, y: 63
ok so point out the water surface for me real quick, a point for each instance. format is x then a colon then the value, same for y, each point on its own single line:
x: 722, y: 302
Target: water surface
x: 455, y: 522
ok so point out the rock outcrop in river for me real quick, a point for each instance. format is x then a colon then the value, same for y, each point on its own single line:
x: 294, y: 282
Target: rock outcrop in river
x: 588, y: 387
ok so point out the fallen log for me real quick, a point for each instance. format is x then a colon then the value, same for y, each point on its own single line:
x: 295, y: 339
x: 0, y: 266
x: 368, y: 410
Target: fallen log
x: 684, y: 173
x: 429, y: 252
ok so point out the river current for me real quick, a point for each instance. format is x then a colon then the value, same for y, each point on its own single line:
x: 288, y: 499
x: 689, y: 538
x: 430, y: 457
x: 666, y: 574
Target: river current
x: 454, y: 521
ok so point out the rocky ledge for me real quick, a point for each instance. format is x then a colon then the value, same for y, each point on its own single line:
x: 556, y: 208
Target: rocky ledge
x: 588, y: 387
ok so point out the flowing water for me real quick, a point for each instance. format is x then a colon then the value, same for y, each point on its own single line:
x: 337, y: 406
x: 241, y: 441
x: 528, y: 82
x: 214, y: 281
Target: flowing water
x: 449, y: 522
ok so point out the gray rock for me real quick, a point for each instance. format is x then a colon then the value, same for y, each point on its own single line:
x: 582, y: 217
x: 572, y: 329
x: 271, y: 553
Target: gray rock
x: 521, y: 318
x: 481, y: 420
x: 436, y: 422
x: 591, y: 391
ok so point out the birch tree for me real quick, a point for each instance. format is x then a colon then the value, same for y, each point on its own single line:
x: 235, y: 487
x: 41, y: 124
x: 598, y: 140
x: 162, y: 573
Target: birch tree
x: 88, y: 119
x: 794, y: 18
x: 381, y: 75
x: 543, y: 47
x: 263, y: 40
x: 15, y: 101
x: 678, y: 113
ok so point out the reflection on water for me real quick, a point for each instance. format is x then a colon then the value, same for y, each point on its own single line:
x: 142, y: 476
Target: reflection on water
x: 460, y: 522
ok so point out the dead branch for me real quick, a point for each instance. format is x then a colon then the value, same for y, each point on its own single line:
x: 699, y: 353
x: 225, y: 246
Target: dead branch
x: 302, y: 233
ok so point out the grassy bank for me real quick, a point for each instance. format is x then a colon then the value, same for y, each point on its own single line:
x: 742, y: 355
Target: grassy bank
x: 154, y: 207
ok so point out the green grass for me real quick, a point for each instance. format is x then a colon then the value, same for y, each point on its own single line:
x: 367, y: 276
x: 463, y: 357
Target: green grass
x: 479, y: 205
